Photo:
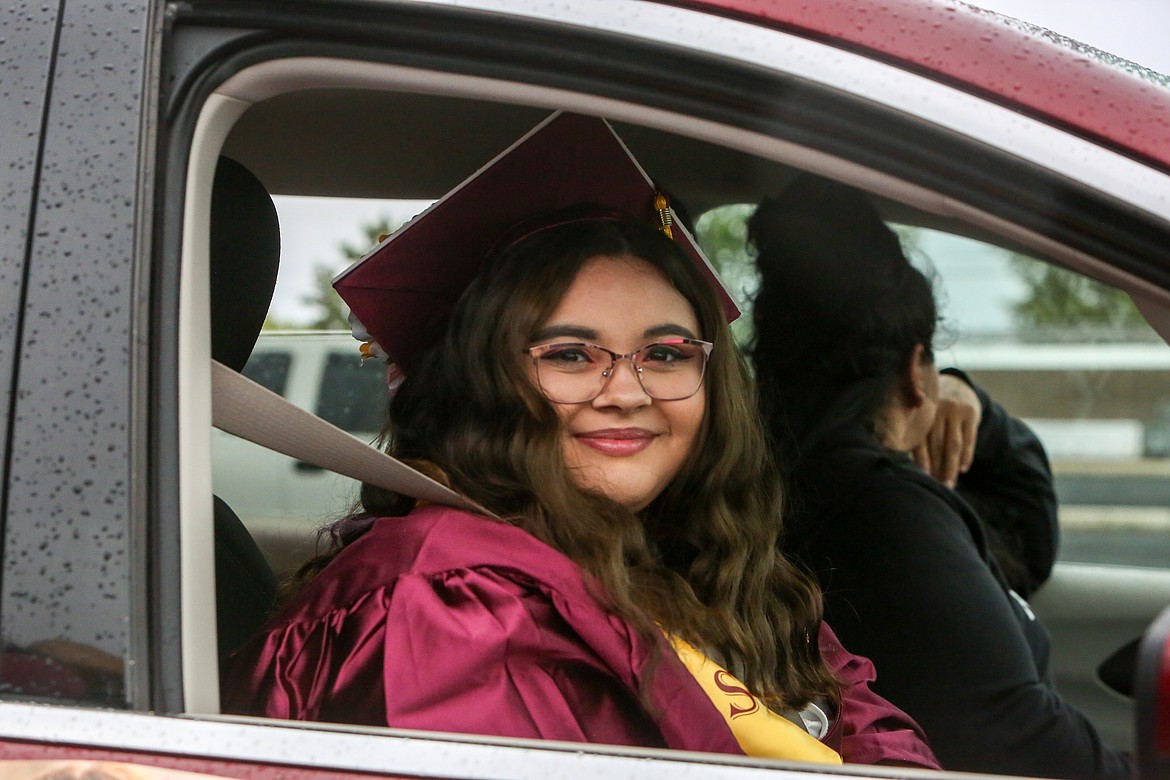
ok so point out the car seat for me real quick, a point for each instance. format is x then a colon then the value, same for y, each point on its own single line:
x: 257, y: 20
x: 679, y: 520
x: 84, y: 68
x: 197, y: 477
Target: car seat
x: 244, y: 257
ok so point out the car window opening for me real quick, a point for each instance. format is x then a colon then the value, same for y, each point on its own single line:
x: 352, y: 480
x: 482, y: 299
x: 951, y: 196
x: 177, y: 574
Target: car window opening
x: 342, y: 390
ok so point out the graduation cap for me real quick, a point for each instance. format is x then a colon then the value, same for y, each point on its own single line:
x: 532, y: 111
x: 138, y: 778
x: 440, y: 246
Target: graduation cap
x: 401, y: 292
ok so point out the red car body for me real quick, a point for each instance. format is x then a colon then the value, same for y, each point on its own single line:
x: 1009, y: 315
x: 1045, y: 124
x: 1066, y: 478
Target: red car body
x: 976, y: 51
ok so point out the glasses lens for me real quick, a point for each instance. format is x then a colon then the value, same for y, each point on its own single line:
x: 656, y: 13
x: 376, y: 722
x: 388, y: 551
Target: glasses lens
x: 671, y: 370
x: 571, y: 373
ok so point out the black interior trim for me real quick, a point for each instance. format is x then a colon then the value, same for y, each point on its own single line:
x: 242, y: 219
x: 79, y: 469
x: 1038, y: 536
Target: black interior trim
x: 713, y: 88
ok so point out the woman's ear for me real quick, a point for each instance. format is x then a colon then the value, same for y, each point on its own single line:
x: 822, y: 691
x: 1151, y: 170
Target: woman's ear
x: 920, y: 373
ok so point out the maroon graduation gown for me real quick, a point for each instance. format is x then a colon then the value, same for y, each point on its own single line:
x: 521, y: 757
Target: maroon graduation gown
x: 447, y: 621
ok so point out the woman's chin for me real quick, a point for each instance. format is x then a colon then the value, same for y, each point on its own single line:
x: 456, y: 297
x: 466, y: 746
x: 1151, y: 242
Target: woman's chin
x: 632, y: 491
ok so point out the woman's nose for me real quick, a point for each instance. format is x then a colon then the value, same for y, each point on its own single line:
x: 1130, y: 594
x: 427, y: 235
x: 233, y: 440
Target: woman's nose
x: 622, y: 388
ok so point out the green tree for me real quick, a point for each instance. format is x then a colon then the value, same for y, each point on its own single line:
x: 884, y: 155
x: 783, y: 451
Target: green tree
x: 722, y: 234
x: 273, y: 323
x: 1062, y: 305
x: 331, y: 311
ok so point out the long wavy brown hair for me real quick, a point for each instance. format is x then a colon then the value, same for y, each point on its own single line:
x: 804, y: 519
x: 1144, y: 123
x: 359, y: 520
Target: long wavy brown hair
x: 702, y: 560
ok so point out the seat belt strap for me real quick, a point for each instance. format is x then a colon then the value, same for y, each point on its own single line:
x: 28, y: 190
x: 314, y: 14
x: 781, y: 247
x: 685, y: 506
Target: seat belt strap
x: 246, y: 409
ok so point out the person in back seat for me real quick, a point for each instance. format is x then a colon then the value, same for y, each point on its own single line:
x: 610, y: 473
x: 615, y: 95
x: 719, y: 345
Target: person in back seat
x: 571, y: 371
x: 844, y: 328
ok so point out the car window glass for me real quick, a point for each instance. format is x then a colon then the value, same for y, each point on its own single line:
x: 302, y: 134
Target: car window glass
x: 1070, y: 356
x: 283, y: 502
x: 320, y: 237
x: 1075, y: 360
x: 722, y: 233
x: 306, y: 354
x: 269, y: 369
x: 353, y: 394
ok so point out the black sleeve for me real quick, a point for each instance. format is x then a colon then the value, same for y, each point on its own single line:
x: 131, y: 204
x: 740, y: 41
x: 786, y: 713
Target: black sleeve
x: 911, y: 591
x: 1010, y: 486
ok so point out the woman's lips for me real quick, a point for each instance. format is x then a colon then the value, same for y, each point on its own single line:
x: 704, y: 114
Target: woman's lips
x: 617, y: 441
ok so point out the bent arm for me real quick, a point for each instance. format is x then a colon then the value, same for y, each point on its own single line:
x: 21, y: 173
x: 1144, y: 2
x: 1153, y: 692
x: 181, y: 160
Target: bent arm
x: 1010, y: 485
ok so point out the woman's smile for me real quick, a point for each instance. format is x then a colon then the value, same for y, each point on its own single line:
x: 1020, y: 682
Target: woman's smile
x: 618, y: 442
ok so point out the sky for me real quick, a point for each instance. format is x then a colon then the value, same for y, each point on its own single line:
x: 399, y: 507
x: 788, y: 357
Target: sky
x: 314, y: 229
x: 1138, y: 30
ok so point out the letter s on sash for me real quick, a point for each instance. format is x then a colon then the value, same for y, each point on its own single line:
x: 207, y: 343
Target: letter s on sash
x: 732, y: 687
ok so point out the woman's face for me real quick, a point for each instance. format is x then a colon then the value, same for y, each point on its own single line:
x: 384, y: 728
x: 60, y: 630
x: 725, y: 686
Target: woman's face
x: 624, y: 444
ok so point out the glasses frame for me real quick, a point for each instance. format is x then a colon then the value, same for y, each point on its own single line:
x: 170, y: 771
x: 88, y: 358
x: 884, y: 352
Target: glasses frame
x: 535, y: 352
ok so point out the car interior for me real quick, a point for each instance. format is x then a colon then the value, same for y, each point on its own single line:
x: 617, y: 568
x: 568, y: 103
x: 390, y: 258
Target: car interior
x: 381, y: 132
x: 244, y: 254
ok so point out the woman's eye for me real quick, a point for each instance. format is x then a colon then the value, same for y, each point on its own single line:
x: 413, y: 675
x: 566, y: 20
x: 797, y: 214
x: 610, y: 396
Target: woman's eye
x: 567, y: 354
x: 665, y: 353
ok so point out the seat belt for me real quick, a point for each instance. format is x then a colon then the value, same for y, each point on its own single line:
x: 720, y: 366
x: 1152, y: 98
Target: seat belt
x: 251, y: 411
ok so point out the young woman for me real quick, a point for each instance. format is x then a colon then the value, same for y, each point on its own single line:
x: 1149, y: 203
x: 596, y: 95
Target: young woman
x: 586, y: 392
x: 843, y: 354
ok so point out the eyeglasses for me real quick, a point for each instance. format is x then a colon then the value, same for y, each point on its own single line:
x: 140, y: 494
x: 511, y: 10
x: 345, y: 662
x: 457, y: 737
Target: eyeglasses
x: 575, y: 372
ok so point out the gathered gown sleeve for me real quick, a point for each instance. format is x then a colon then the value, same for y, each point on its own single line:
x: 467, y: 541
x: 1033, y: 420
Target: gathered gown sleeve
x: 1011, y: 487
x: 869, y: 729
x: 475, y: 651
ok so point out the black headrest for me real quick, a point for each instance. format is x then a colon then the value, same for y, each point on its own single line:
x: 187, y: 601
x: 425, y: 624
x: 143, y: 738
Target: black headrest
x: 245, y: 585
x: 245, y: 256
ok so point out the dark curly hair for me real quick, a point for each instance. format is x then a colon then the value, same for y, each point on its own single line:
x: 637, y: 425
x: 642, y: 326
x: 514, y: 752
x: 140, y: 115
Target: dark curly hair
x: 838, y: 315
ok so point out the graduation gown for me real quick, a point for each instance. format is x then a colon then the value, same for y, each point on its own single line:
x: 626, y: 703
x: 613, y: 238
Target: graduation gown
x: 446, y: 621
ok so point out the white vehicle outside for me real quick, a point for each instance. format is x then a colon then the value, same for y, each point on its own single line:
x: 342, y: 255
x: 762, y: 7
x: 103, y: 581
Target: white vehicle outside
x: 283, y: 501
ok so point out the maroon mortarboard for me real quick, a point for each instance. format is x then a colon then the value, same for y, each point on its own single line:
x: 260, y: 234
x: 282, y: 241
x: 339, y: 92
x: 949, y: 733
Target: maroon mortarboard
x: 403, y: 290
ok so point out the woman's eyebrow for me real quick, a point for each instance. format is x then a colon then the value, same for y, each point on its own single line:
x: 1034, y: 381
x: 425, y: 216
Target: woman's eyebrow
x: 559, y: 331
x: 668, y: 329
x: 589, y: 334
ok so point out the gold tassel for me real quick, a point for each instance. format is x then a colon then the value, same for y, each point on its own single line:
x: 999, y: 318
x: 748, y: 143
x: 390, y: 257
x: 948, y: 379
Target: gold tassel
x: 662, y: 206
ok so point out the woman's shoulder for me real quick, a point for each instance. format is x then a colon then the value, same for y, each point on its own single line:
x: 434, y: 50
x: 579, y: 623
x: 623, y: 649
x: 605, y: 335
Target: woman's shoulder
x: 441, y: 538
x: 435, y: 542
x: 863, y: 472
x: 878, y: 492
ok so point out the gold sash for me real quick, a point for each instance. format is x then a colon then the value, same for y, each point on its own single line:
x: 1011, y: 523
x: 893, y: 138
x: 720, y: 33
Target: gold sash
x: 759, y: 731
